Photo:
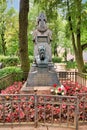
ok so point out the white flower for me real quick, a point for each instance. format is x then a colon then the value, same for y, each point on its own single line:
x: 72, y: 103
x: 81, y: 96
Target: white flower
x: 56, y: 91
x: 52, y: 90
x: 63, y: 93
x: 62, y: 87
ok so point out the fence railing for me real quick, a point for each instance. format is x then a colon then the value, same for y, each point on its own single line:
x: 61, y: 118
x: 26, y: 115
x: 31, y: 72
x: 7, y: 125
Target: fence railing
x: 6, y: 81
x: 73, y: 76
x: 10, y: 79
x: 39, y: 109
x: 82, y: 105
x: 64, y: 111
x: 57, y: 110
x: 63, y: 76
x: 81, y: 79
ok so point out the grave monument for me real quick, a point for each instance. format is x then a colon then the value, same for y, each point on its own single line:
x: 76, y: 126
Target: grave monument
x: 42, y: 74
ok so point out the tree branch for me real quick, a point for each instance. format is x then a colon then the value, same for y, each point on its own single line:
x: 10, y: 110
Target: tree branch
x: 84, y: 46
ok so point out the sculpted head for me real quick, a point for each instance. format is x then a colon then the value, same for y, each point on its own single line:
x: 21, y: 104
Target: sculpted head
x: 41, y: 22
x: 41, y: 51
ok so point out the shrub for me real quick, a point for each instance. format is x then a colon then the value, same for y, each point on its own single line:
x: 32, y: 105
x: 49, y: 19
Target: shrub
x: 12, y: 61
x: 57, y: 59
x: 9, y: 61
x: 31, y: 58
x: 71, y: 65
x: 85, y: 68
x: 8, y: 70
x: 8, y: 75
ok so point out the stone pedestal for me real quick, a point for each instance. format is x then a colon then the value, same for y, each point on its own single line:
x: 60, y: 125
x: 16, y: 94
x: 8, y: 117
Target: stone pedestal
x: 40, y: 79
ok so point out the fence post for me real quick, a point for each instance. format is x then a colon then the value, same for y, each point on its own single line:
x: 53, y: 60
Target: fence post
x: 77, y: 112
x: 36, y: 121
x: 75, y: 76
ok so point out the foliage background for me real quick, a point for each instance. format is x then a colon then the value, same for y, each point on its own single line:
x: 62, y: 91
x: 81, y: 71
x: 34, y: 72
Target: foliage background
x: 57, y: 16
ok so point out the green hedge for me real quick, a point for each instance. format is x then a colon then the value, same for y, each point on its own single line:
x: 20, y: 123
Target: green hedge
x: 71, y: 65
x: 12, y: 61
x: 8, y: 70
x: 31, y: 58
x: 57, y: 59
x: 9, y: 61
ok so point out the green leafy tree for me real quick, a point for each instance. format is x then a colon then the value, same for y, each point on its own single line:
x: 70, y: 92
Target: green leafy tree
x: 8, y: 30
x: 33, y: 13
x: 11, y: 32
x: 74, y: 10
x: 3, y: 6
x: 56, y: 23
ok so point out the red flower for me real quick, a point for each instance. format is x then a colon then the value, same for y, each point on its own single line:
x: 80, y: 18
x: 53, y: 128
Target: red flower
x: 54, y: 85
x: 67, y: 88
x: 22, y: 115
x: 63, y: 106
x: 59, y: 89
x: 56, y: 110
x: 72, y: 107
x: 48, y: 106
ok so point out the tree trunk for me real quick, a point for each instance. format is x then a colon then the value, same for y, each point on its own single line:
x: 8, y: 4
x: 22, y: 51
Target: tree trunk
x: 23, y: 39
x: 79, y: 56
x: 76, y: 42
x: 65, y: 55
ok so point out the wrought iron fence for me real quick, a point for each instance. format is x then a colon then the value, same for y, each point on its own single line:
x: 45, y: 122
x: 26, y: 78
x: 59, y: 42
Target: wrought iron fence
x: 57, y: 110
x: 63, y: 76
x: 39, y: 109
x: 81, y: 78
x: 10, y: 79
x: 82, y: 105
x: 73, y: 76
x: 64, y: 111
x: 6, y: 81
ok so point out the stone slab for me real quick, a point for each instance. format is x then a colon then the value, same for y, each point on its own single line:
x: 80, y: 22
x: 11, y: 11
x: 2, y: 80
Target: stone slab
x: 42, y: 77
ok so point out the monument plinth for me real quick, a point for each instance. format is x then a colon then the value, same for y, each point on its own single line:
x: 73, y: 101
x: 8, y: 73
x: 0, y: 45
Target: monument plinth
x: 42, y: 74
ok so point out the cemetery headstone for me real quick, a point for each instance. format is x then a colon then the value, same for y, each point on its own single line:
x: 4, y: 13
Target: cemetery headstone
x: 42, y: 73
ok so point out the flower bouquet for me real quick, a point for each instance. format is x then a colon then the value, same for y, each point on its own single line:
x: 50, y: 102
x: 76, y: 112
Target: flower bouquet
x: 58, y: 90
